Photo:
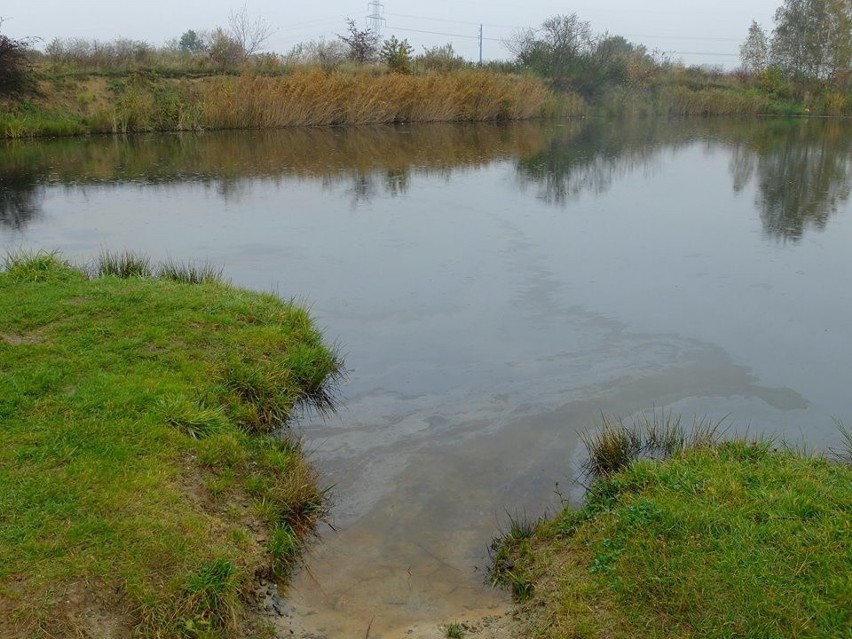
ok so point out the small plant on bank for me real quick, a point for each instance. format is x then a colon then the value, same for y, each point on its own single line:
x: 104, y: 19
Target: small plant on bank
x: 844, y: 453
x: 397, y: 55
x: 455, y: 631
x: 43, y: 266
x: 190, y: 273
x: 212, y: 597
x: 124, y: 265
x: 614, y: 445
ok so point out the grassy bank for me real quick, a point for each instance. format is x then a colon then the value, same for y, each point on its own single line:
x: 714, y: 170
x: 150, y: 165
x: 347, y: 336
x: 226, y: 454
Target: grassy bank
x: 138, y: 102
x: 145, y: 484
x: 719, y: 540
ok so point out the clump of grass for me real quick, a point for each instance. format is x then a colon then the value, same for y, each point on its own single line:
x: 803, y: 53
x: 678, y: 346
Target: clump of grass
x: 124, y: 264
x: 455, y: 631
x: 192, y: 418
x: 190, y: 273
x: 41, y: 266
x: 516, y: 539
x: 212, y: 597
x: 614, y: 445
x: 844, y: 453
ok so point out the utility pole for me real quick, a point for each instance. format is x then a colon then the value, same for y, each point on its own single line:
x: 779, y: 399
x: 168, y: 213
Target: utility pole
x: 375, y: 18
x: 480, y: 45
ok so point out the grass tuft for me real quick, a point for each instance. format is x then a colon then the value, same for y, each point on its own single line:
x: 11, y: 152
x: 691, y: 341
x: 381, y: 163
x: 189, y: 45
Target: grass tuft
x: 190, y: 273
x: 455, y: 631
x: 124, y: 265
x: 41, y: 266
x: 614, y: 445
x: 192, y: 418
x: 212, y: 596
x: 844, y: 453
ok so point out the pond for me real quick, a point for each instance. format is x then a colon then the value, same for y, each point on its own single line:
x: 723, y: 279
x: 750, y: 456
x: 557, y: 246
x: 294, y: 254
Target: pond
x: 494, y: 290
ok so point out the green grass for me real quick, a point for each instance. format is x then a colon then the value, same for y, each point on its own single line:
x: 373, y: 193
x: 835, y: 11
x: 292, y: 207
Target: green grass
x: 728, y: 539
x: 455, y: 631
x: 136, y: 490
x: 614, y: 445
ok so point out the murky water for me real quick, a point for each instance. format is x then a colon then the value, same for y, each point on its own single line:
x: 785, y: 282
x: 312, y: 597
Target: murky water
x: 494, y: 289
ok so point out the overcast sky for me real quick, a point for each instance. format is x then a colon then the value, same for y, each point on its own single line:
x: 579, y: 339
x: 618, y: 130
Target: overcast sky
x: 697, y: 33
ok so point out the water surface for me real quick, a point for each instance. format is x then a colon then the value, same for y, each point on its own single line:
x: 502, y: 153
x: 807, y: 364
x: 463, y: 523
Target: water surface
x: 494, y: 289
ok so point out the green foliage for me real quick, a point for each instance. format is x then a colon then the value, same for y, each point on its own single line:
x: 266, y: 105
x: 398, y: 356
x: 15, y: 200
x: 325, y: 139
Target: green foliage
x: 397, y: 55
x: 566, y: 51
x: 754, y: 52
x: 455, y: 631
x: 191, y: 42
x: 441, y: 58
x: 812, y: 40
x: 16, y: 71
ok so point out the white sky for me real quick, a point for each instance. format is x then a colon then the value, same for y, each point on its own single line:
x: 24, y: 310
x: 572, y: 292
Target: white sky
x: 697, y: 33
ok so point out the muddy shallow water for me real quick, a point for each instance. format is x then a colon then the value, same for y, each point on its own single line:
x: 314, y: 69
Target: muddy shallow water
x: 493, y: 289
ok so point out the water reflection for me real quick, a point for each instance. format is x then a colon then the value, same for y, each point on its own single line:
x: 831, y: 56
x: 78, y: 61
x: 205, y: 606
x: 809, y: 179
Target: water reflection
x: 370, y: 160
x: 800, y: 169
x: 588, y: 157
x: 20, y: 194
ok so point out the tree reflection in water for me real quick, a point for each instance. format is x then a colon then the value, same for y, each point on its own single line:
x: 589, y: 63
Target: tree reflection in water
x: 800, y: 168
x: 803, y: 174
x: 20, y: 197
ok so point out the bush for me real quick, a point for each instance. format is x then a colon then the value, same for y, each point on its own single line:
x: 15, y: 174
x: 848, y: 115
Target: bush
x: 15, y: 67
x: 397, y: 55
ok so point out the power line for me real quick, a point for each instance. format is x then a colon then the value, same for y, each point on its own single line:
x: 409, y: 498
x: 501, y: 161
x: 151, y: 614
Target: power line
x: 484, y: 24
x: 442, y: 33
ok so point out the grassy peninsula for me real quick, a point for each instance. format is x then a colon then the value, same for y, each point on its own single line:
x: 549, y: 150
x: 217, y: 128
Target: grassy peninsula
x: 721, y: 539
x: 146, y: 480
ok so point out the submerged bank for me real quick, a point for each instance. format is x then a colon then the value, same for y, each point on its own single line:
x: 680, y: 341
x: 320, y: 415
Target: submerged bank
x: 727, y: 539
x: 145, y: 484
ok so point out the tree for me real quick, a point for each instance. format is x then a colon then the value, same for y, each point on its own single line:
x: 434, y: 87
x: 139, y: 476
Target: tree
x: 362, y: 44
x: 812, y: 38
x: 754, y: 52
x: 555, y: 50
x: 191, y: 42
x: 250, y: 34
x: 223, y: 49
x: 397, y: 55
x: 15, y: 66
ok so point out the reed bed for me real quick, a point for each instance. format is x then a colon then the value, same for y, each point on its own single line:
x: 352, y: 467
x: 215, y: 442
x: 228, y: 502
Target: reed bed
x: 315, y: 98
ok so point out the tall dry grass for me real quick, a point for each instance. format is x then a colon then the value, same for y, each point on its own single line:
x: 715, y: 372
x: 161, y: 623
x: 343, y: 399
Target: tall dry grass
x: 315, y: 98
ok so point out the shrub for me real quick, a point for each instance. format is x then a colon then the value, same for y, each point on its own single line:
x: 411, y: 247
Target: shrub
x: 15, y: 67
